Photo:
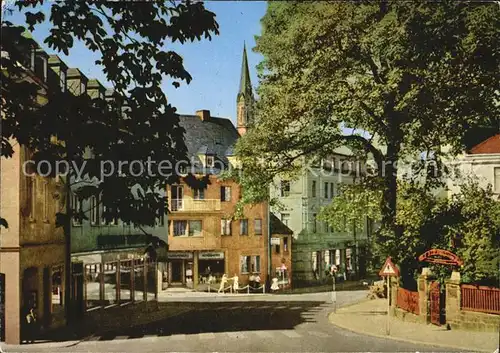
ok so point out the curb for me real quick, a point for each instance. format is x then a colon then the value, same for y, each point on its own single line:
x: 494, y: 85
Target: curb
x: 461, y: 348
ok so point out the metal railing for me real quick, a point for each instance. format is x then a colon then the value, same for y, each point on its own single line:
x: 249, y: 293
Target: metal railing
x: 480, y: 298
x: 192, y: 205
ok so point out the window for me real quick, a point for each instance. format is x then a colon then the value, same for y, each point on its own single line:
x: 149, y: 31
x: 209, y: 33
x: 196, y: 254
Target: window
x: 225, y: 193
x: 194, y: 228
x: 31, y: 192
x: 82, y: 87
x: 277, y: 249
x: 258, y: 226
x: 41, y: 67
x: 94, y: 210
x: 180, y: 228
x: 210, y: 161
x: 244, y: 227
x: 225, y: 225
x: 285, y: 188
x: 285, y: 244
x: 332, y: 189
x: 315, y: 228
x: 106, y: 213
x: 326, y: 190
x: 313, y: 191
x: 57, y: 289
x: 285, y: 218
x: 62, y: 80
x: 76, y: 206
x: 249, y: 264
x: 497, y: 180
x: 45, y: 201
x: 199, y: 194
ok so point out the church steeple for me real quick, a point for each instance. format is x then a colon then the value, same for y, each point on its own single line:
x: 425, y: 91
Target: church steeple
x: 244, y: 98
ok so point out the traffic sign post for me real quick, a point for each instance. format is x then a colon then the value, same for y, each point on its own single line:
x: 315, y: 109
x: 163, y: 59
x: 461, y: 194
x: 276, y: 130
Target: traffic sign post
x: 387, y: 271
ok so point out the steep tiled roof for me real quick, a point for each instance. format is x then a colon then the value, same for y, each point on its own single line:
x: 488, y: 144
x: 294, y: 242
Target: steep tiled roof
x: 278, y: 227
x: 214, y: 135
x: 489, y: 146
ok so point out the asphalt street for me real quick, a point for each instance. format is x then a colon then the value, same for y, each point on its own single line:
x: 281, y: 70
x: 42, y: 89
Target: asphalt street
x: 299, y: 324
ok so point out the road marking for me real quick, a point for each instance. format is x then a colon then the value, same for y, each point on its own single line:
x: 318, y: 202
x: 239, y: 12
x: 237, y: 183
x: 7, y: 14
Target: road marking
x: 280, y: 307
x: 235, y: 334
x: 264, y: 334
x: 178, y: 337
x: 206, y: 336
x: 266, y: 307
x: 291, y: 334
x: 296, y: 308
x: 319, y: 334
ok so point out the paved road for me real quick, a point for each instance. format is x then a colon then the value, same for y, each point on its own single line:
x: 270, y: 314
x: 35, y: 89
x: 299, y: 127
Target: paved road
x: 299, y: 324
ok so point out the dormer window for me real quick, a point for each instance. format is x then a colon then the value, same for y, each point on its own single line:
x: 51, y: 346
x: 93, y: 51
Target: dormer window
x: 210, y: 161
x: 62, y: 80
x: 40, y: 66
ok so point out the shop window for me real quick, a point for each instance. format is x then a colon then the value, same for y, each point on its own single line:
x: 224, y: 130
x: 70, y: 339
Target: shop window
x: 225, y: 226
x: 285, y: 188
x: 194, y: 228
x: 225, y: 193
x: 258, y: 226
x: 285, y: 244
x: 244, y: 227
x: 180, y: 228
x: 199, y: 194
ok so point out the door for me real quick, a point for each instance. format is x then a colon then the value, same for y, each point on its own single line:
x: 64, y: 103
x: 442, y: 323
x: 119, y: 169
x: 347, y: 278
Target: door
x: 435, y: 303
x: 177, y: 193
x: 176, y: 271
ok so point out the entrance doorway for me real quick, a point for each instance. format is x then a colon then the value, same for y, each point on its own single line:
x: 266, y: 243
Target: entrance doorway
x: 176, y: 271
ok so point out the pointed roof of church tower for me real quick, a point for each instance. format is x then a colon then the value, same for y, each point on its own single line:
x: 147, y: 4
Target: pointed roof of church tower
x: 245, y: 84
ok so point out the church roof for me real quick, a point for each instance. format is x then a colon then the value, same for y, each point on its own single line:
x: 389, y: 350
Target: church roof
x: 488, y: 146
x: 245, y: 83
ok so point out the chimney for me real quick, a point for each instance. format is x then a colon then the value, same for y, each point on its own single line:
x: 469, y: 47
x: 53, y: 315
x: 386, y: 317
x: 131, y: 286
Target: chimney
x: 203, y: 114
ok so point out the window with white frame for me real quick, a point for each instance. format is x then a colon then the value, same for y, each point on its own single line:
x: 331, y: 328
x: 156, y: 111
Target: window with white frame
x: 225, y: 193
x: 250, y: 264
x: 285, y: 218
x: 180, y: 228
x: 225, y: 225
x: 258, y: 226
x: 285, y: 188
x: 244, y: 227
x: 210, y: 161
x: 497, y: 179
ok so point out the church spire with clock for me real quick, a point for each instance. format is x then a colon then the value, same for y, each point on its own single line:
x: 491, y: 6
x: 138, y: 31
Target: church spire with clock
x: 244, y: 99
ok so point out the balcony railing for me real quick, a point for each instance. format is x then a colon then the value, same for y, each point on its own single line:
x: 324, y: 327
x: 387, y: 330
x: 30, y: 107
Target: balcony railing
x: 192, y: 205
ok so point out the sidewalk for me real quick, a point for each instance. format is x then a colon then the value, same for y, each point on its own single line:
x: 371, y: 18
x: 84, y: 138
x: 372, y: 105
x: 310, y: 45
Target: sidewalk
x: 369, y: 317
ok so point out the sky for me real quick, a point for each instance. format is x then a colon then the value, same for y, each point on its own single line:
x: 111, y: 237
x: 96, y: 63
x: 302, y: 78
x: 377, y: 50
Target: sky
x: 214, y: 65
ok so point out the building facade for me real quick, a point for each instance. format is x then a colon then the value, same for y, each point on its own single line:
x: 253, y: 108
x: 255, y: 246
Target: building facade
x: 32, y: 248
x: 316, y: 245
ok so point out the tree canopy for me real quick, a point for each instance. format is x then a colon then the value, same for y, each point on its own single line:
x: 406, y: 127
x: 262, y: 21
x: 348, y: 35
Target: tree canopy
x: 415, y: 76
x: 137, y: 123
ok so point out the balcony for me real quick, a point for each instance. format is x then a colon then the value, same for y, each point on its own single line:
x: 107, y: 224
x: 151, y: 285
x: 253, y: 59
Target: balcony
x: 192, y: 205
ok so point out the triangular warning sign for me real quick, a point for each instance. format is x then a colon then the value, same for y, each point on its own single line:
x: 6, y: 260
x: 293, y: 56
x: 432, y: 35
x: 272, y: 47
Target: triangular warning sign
x: 389, y: 269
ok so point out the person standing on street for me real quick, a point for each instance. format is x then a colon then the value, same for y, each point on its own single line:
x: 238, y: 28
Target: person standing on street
x: 30, y: 320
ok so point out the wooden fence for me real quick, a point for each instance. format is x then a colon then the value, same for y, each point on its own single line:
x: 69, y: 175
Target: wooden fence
x: 479, y: 298
x: 407, y: 300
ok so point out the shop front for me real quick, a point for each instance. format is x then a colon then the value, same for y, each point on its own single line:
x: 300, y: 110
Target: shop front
x: 211, y: 266
x: 180, y: 268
